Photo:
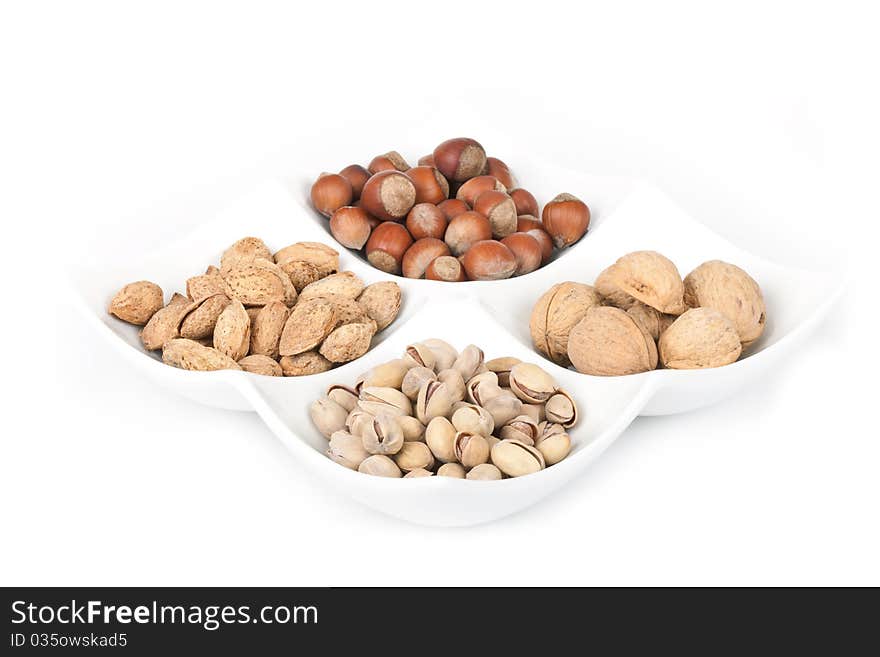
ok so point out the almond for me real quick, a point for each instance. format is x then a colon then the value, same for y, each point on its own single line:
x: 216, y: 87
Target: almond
x: 190, y: 355
x: 165, y: 324
x: 308, y: 362
x: 245, y: 250
x: 381, y: 301
x: 205, y: 285
x: 254, y: 285
x: 200, y: 322
x: 137, y: 302
x: 232, y: 334
x: 345, y: 283
x: 348, y: 342
x: 259, y: 364
x: 266, y: 328
x: 301, y: 273
x: 346, y: 310
x: 310, y: 321
x: 325, y: 259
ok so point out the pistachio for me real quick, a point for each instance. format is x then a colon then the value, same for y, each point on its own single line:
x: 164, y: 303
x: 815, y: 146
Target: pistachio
x: 516, y: 459
x: 469, y: 361
x: 411, y: 427
x: 419, y: 354
x: 414, y: 379
x: 471, y: 449
x: 548, y: 429
x: 491, y: 441
x: 473, y: 419
x: 444, y: 353
x: 503, y: 408
x: 418, y: 472
x: 561, y: 408
x: 386, y: 375
x: 344, y: 396
x: 433, y: 401
x: 454, y: 383
x: 440, y: 438
x: 346, y: 449
x: 327, y: 416
x: 380, y: 466
x: 501, y: 367
x: 376, y: 399
x: 414, y: 456
x: 534, y: 411
x: 383, y: 435
x: 484, y: 472
x: 554, y: 446
x: 521, y: 428
x: 531, y: 384
x: 357, y: 420
x: 453, y: 470
x: 489, y: 378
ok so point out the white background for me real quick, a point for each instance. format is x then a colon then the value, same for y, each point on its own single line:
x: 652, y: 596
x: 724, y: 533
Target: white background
x: 126, y: 122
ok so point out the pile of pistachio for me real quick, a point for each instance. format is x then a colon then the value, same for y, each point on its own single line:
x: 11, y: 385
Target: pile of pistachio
x: 449, y: 413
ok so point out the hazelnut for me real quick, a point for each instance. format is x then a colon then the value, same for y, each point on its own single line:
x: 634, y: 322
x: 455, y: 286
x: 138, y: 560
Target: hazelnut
x: 431, y: 186
x: 426, y: 220
x: 426, y: 160
x: 421, y: 254
x: 452, y: 208
x: 489, y: 260
x: 350, y: 226
x: 500, y: 170
x: 525, y: 202
x: 470, y: 190
x: 460, y: 159
x: 499, y: 209
x: 445, y: 268
x: 526, y: 250
x: 528, y: 224
x: 330, y: 192
x: 566, y: 218
x: 387, y: 245
x: 466, y: 229
x: 390, y: 161
x: 388, y: 195
x: 357, y: 176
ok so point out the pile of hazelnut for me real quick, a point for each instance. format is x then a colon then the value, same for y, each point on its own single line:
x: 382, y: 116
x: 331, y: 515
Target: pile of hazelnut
x: 457, y: 216
x: 437, y: 411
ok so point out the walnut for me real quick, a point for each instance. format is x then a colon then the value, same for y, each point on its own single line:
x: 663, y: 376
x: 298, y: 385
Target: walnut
x: 730, y: 291
x: 609, y: 342
x: 700, y: 338
x: 645, y: 276
x: 556, y: 313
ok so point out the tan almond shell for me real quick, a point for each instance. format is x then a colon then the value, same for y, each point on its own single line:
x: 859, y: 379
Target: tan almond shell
x: 232, y: 334
x: 254, y: 285
x: 260, y: 364
x: 381, y: 302
x: 253, y: 311
x: 304, y: 364
x: 609, y: 342
x: 310, y: 321
x: 700, y: 338
x: 301, y: 273
x: 348, y: 342
x: 137, y: 302
x: 164, y: 325
x: 346, y: 284
x: 200, y: 322
x: 325, y: 259
x: 245, y: 250
x: 346, y: 310
x: 730, y: 291
x: 266, y: 328
x: 556, y: 313
x: 651, y: 278
x: 290, y: 293
x: 205, y: 285
x: 190, y: 355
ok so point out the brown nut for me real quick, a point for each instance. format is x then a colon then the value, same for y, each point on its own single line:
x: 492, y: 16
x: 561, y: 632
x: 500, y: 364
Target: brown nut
x: 445, y: 268
x: 499, y: 209
x: 648, y: 277
x: 388, y: 195
x: 471, y: 449
x: 460, y: 159
x: 467, y: 229
x: 526, y: 250
x: 421, y: 254
x: 500, y: 170
x: 516, y: 459
x: 232, y: 332
x: 528, y: 224
x: 556, y: 313
x: 426, y: 220
x: 304, y: 364
x: 137, y: 302
x: 566, y: 218
x: 329, y: 193
x: 381, y: 301
x: 609, y: 342
x: 191, y: 355
x: 321, y: 256
x: 524, y: 201
x: 700, y: 338
x: 350, y: 226
x: 488, y: 260
x: 259, y: 364
x: 452, y: 207
x: 390, y: 161
x: 470, y: 190
x: 387, y: 245
x: 357, y: 176
x: 730, y: 291
x: 426, y: 160
x: 266, y: 329
x: 310, y: 321
x: 348, y: 342
x: 431, y: 186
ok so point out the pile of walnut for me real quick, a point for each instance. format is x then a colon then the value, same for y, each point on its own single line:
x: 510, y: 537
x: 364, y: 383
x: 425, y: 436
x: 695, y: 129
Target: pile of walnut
x: 438, y: 411
x: 290, y: 314
x: 457, y: 216
x: 640, y: 315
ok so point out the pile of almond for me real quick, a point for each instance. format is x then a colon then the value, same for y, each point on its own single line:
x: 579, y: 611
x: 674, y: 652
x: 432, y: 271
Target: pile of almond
x: 640, y: 314
x: 292, y: 313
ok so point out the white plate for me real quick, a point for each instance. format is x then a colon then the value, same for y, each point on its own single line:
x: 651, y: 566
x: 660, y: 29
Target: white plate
x: 494, y: 315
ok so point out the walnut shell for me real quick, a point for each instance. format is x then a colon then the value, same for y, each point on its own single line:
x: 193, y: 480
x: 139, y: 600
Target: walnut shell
x: 646, y: 317
x: 730, y: 291
x: 610, y: 342
x: 648, y: 277
x: 556, y: 313
x: 700, y: 338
